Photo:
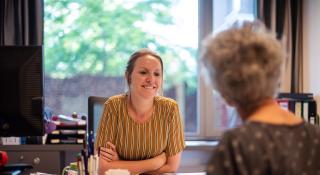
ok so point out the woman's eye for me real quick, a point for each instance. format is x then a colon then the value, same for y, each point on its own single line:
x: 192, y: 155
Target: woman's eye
x: 157, y: 74
x: 143, y: 72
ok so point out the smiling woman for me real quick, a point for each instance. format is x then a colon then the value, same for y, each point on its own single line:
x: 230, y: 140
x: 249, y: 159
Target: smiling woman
x: 148, y: 72
x: 140, y: 130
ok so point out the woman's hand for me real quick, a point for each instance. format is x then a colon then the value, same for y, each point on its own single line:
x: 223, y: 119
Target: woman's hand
x: 109, y: 152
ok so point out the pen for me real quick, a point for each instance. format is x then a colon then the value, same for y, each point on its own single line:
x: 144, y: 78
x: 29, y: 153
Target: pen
x: 85, y: 161
x: 79, y: 164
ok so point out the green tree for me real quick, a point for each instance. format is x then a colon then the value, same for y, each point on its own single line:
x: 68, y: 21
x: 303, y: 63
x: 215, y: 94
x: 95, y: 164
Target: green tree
x: 96, y: 37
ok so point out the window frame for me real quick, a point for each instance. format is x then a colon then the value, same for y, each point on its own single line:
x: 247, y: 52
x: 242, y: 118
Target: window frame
x: 205, y: 100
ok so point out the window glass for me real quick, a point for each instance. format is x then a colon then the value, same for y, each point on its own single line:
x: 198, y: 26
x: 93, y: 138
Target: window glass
x: 88, y: 42
x: 227, y: 12
x: 222, y: 116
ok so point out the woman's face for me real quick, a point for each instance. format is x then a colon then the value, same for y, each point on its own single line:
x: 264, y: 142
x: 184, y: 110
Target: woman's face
x: 146, y: 77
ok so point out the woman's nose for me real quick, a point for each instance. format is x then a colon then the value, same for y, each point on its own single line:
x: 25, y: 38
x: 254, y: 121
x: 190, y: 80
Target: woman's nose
x: 149, y: 79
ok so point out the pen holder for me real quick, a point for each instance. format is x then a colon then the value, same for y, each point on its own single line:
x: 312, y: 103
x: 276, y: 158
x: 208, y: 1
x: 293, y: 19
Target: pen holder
x: 87, y: 164
x: 71, y: 169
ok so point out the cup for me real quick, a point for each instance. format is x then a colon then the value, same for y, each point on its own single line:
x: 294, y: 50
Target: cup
x: 117, y: 172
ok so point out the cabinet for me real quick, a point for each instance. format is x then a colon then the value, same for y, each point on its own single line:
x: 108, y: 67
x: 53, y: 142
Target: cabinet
x: 44, y: 158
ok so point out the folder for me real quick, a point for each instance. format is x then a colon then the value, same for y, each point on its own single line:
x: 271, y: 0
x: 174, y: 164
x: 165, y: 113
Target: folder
x: 298, y: 106
x: 305, y: 111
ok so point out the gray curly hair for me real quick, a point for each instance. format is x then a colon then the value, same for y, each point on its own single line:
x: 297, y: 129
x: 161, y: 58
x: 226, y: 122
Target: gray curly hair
x: 245, y: 64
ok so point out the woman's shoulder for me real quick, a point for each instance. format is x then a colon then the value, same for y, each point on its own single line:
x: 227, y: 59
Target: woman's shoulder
x: 249, y: 131
x: 312, y: 128
x: 116, y: 99
x: 165, y: 100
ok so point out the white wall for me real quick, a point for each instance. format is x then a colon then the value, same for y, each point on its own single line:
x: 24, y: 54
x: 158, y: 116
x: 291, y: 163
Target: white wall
x: 311, y: 48
x: 311, y: 45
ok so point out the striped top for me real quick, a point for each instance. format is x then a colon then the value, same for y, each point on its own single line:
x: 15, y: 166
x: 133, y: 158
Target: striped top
x: 139, y: 141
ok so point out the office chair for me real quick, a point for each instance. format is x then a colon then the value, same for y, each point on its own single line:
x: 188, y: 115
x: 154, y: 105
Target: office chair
x: 95, y: 107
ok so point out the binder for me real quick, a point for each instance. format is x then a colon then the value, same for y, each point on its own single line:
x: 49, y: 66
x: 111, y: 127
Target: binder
x: 298, y: 108
x: 305, y: 111
x: 301, y: 104
x: 312, y: 112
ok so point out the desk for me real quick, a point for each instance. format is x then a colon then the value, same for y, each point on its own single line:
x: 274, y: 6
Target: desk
x: 195, y: 156
x: 195, y: 173
x: 44, y: 158
x: 53, y: 158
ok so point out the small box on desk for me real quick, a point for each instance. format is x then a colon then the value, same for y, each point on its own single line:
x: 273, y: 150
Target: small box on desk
x: 11, y: 140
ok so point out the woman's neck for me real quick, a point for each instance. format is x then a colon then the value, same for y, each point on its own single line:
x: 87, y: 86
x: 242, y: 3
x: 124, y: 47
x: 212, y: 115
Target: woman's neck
x: 139, y: 108
x: 271, y: 112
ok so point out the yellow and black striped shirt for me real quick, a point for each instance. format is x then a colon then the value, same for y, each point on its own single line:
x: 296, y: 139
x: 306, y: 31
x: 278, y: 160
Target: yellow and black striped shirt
x: 139, y: 141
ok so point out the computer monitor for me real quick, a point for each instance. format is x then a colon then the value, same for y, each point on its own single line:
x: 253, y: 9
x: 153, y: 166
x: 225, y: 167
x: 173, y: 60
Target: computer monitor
x: 21, y: 95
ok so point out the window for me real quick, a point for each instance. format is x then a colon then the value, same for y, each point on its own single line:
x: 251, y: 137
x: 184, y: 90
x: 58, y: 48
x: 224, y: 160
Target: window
x: 87, y: 45
x: 216, y: 115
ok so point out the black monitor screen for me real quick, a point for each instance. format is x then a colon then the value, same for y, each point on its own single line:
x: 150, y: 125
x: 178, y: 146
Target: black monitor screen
x: 21, y: 104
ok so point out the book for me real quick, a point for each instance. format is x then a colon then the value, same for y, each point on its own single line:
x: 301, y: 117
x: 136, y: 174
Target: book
x: 70, y: 123
x: 66, y: 141
x: 69, y: 132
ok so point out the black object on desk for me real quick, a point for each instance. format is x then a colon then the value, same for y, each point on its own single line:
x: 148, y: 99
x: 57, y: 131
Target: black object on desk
x: 13, y: 169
